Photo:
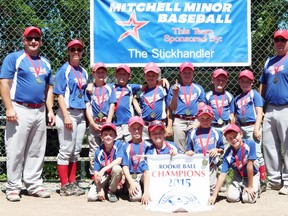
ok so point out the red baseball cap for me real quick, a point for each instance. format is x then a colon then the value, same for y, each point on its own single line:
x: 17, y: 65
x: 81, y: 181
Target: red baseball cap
x: 151, y: 67
x: 154, y: 124
x: 186, y: 65
x: 75, y: 42
x: 231, y: 127
x: 124, y: 67
x: 205, y: 109
x: 281, y: 33
x: 246, y: 73
x: 135, y: 119
x: 30, y: 29
x: 219, y: 72
x: 108, y: 125
x: 99, y: 65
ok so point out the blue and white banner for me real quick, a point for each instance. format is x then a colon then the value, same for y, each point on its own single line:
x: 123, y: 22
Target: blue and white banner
x: 169, y: 32
x: 180, y: 184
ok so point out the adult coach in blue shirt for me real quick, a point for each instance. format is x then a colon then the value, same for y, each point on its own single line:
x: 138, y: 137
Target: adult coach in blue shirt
x: 273, y: 89
x: 26, y: 84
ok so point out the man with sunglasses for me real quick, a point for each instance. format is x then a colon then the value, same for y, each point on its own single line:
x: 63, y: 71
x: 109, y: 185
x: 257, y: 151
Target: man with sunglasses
x: 273, y: 89
x: 26, y: 87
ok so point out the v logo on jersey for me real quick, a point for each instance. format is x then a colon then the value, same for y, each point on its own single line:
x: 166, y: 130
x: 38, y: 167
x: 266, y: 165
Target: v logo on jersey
x: 134, y: 25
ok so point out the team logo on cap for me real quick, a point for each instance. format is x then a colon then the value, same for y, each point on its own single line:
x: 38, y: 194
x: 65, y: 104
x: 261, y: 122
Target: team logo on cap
x: 134, y: 25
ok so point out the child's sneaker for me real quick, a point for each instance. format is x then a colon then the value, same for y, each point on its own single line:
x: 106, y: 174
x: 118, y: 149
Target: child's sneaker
x: 92, y: 194
x: 112, y: 197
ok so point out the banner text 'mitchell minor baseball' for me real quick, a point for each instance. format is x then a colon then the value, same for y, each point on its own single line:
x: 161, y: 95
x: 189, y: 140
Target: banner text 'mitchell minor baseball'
x: 188, y: 13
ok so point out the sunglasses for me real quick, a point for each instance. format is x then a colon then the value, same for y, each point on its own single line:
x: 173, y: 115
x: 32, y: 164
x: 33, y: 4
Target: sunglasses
x: 158, y: 123
x: 280, y: 40
x: 76, y: 49
x: 206, y: 111
x: 33, y: 38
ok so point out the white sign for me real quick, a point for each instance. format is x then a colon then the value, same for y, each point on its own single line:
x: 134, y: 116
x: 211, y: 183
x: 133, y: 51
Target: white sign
x: 180, y: 184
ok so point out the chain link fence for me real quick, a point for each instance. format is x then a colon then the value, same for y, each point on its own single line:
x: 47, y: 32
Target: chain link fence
x: 62, y: 21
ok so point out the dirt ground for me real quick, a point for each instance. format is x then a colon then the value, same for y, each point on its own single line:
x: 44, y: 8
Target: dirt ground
x: 270, y: 204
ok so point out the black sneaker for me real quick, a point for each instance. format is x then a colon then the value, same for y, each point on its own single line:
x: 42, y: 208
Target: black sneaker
x: 263, y: 186
x: 66, y: 190
x: 77, y: 191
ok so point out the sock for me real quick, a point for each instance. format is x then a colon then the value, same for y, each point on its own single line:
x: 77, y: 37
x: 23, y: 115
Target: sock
x: 63, y: 174
x: 262, y: 171
x: 72, y: 172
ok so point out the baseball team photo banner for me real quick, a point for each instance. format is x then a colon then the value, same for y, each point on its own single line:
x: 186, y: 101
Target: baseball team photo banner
x: 180, y: 184
x: 169, y: 32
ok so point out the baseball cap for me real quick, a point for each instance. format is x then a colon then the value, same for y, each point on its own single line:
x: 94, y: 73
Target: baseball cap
x: 124, y: 67
x: 99, y: 65
x: 75, y: 42
x: 154, y: 124
x: 281, y: 33
x: 135, y: 119
x: 219, y: 72
x: 231, y: 127
x: 205, y: 109
x: 246, y: 73
x: 30, y: 29
x: 151, y: 67
x: 186, y: 65
x: 108, y: 125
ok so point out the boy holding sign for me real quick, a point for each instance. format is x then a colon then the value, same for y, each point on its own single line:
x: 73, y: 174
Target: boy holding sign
x: 135, y: 168
x: 205, y: 139
x: 157, y: 140
x: 241, y: 157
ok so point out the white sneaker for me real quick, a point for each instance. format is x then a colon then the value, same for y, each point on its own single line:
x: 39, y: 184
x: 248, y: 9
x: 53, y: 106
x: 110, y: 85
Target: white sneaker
x: 92, y: 194
x: 284, y: 190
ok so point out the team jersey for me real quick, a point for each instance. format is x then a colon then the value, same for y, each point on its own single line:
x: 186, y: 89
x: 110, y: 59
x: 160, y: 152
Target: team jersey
x: 156, y: 98
x: 27, y: 86
x: 116, y: 152
x: 136, y: 164
x: 247, y: 151
x: 200, y: 139
x: 124, y: 108
x: 221, y: 103
x: 101, y: 98
x: 152, y: 150
x: 245, y: 106
x: 276, y: 93
x: 197, y: 95
x: 68, y: 81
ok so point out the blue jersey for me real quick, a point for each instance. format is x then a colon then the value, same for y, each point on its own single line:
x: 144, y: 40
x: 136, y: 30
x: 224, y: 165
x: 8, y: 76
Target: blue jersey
x: 130, y: 159
x: 67, y: 84
x: 225, y: 110
x: 245, y: 106
x: 229, y: 160
x: 195, y: 136
x: 27, y: 86
x: 125, y: 109
x: 101, y: 101
x: 152, y: 150
x: 276, y: 93
x: 159, y: 104
x: 116, y: 152
x: 198, y: 95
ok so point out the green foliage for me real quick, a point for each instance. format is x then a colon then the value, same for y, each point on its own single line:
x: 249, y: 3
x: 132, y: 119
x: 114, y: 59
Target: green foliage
x: 3, y: 177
